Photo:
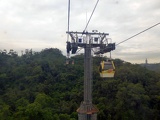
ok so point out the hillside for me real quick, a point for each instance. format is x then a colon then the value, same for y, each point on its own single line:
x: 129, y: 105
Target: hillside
x: 154, y: 67
x: 40, y: 86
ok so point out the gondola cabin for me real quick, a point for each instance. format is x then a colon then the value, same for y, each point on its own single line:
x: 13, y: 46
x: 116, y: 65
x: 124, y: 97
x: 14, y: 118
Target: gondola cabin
x: 107, y: 69
x: 69, y: 61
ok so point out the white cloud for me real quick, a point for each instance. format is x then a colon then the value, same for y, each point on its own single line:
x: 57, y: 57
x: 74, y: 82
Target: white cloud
x: 38, y: 24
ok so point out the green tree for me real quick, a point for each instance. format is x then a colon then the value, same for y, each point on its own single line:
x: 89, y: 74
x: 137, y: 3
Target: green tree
x: 132, y: 102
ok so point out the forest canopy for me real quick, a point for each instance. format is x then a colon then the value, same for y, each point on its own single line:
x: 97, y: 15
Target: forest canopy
x: 40, y: 86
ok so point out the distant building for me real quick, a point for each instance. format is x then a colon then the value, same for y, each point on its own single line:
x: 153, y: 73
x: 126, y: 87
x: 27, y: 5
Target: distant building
x: 146, y: 61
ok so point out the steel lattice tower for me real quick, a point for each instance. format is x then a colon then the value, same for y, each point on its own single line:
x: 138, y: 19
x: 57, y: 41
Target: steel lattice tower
x: 87, y: 111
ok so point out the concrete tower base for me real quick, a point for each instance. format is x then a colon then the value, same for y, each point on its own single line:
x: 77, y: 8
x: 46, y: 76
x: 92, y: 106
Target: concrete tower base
x: 87, y: 112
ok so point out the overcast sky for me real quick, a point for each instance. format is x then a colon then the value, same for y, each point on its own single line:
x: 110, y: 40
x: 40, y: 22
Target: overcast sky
x: 40, y: 24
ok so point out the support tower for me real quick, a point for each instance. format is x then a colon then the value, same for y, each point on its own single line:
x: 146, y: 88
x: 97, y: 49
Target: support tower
x: 88, y: 41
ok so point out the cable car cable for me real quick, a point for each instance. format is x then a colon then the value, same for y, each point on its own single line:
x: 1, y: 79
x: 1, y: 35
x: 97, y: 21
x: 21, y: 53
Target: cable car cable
x: 137, y: 34
x: 68, y: 19
x: 91, y: 15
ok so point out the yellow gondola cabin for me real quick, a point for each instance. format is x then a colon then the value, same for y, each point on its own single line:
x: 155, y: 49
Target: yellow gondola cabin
x: 107, y: 69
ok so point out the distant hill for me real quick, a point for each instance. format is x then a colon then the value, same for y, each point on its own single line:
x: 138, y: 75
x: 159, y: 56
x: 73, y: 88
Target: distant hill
x: 153, y: 66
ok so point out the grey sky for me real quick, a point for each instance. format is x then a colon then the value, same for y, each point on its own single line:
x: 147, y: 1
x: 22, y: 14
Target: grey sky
x: 40, y: 24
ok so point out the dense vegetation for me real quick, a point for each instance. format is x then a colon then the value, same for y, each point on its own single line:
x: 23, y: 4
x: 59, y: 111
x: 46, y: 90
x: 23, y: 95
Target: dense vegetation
x: 39, y: 86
